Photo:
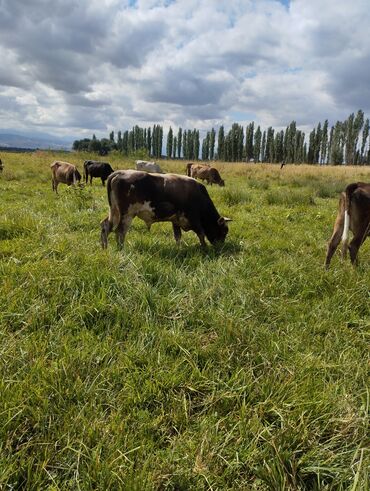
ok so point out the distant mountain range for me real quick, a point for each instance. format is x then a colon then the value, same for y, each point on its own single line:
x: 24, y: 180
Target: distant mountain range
x: 42, y: 141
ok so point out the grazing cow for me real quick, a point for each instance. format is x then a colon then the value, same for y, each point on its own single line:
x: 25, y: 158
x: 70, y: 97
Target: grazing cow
x: 148, y: 166
x: 94, y: 168
x: 206, y: 173
x: 1, y: 166
x: 65, y: 173
x: 354, y: 215
x: 161, y: 198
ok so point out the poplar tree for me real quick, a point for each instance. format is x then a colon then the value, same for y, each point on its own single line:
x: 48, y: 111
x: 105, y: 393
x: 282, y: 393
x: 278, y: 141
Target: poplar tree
x: 221, y: 144
x: 311, y: 147
x: 365, y: 134
x: 324, y: 142
x: 249, y: 150
x: 337, y: 143
x: 212, y: 139
x: 185, y: 145
x: 149, y: 141
x: 169, y: 143
x: 196, y: 144
x: 257, y: 144
x: 318, y: 137
x: 263, y: 147
x: 174, y: 147
x: 179, y: 142
x: 205, y: 146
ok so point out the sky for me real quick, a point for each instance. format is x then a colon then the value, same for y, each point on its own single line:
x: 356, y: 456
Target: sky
x: 76, y: 67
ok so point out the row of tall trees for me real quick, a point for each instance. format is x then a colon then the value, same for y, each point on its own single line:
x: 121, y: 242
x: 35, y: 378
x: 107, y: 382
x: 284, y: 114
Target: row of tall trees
x: 345, y: 142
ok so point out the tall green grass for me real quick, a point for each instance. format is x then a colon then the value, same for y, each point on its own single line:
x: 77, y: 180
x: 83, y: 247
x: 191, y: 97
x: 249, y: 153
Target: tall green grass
x: 164, y: 367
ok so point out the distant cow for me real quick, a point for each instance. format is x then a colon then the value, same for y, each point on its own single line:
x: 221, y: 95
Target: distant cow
x: 1, y: 166
x: 148, y: 166
x: 354, y: 215
x: 65, y: 173
x: 94, y: 168
x: 206, y: 173
x: 161, y: 198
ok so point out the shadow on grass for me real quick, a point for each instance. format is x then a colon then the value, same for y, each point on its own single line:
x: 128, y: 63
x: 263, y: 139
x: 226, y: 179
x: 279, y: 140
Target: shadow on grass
x: 184, y: 251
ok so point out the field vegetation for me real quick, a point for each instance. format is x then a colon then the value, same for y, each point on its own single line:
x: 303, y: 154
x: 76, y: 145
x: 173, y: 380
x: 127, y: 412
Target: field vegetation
x: 164, y: 367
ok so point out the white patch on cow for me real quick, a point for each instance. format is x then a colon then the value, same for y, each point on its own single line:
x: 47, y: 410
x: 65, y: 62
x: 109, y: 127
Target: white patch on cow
x: 346, y: 227
x: 143, y: 210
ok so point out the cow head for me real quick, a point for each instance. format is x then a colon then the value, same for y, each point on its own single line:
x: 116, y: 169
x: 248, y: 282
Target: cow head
x: 219, y: 231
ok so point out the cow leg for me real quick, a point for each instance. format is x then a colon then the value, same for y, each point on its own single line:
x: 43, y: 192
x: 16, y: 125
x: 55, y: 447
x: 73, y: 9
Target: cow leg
x: 337, y: 233
x: 106, y: 229
x: 122, y: 230
x: 201, y: 237
x: 103, y: 181
x: 90, y: 180
x: 333, y: 244
x: 356, y: 243
x: 56, y: 184
x: 176, y: 233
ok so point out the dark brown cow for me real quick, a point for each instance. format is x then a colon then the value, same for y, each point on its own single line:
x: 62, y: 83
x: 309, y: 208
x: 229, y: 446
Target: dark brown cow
x: 354, y: 215
x: 1, y: 166
x: 206, y: 173
x: 95, y: 168
x: 161, y: 198
x: 65, y: 173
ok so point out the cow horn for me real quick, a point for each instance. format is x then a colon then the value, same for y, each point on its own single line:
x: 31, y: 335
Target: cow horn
x: 223, y: 220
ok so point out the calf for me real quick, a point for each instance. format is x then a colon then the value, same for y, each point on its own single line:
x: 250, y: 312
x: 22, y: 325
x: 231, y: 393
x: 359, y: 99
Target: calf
x: 161, y: 198
x: 354, y: 215
x: 65, y: 173
x: 94, y: 168
x: 206, y: 173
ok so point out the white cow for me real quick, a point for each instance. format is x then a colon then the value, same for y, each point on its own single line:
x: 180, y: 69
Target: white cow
x: 148, y: 166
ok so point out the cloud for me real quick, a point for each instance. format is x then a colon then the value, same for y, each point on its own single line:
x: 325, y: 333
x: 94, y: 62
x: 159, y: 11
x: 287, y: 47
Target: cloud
x: 91, y: 65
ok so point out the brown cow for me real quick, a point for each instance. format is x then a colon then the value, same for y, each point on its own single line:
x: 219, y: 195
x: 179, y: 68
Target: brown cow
x: 65, y: 173
x: 206, y: 173
x: 354, y: 215
x: 161, y: 198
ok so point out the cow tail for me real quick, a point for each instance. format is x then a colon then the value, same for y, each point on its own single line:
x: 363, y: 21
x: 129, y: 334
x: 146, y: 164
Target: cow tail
x: 114, y: 212
x: 347, y: 207
x: 188, y: 169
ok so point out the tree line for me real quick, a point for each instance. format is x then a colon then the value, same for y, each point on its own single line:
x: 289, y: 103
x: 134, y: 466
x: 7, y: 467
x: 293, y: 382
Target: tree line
x: 345, y: 142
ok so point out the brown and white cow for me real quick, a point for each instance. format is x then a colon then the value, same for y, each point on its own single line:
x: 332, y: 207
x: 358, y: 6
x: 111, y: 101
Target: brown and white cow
x: 65, y: 173
x: 205, y: 173
x: 354, y: 215
x: 161, y: 198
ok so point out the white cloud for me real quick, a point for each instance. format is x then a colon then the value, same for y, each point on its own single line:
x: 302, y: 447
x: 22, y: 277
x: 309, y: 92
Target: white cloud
x: 74, y: 66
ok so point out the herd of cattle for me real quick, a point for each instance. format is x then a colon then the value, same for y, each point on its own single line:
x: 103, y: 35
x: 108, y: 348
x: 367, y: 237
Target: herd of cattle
x: 155, y: 196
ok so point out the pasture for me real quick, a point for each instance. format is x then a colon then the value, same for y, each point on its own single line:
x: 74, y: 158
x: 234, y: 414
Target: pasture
x: 164, y: 367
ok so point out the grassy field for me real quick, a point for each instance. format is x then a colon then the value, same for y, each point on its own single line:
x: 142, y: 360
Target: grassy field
x: 159, y: 367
